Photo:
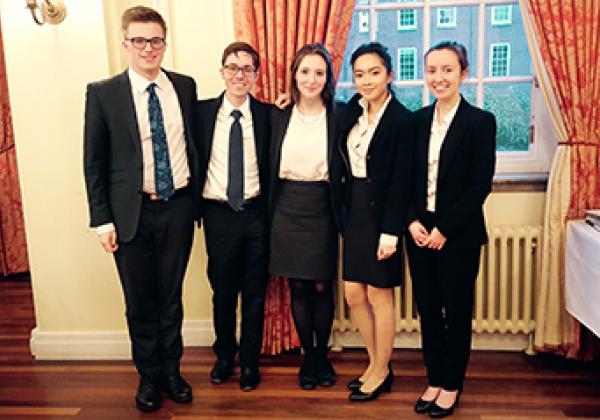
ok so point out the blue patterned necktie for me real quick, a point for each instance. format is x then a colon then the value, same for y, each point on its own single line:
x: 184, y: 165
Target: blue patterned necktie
x: 235, y: 169
x: 163, y: 178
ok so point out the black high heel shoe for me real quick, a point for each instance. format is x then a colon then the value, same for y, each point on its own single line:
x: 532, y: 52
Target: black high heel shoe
x: 385, y: 386
x: 437, y: 412
x: 423, y: 406
x: 356, y: 383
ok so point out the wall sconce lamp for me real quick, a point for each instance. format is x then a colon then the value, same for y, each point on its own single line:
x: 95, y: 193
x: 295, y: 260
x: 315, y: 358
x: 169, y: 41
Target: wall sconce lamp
x: 53, y: 12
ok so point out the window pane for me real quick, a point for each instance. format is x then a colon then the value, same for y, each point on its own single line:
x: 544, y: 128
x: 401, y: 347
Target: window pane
x: 410, y: 96
x: 355, y: 38
x: 464, y: 32
x: 510, y: 103
x: 407, y: 64
x: 500, y: 60
x: 344, y: 94
x: 393, y: 39
x: 513, y: 34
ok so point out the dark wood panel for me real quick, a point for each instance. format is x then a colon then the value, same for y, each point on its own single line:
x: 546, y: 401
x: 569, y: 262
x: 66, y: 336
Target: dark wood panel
x: 500, y: 385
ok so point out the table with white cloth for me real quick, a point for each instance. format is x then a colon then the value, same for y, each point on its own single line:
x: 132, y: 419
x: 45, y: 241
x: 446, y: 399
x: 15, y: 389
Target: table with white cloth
x: 582, y: 274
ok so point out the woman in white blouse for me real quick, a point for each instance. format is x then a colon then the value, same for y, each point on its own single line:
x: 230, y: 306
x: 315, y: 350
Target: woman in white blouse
x: 377, y: 146
x: 303, y: 207
x: 454, y: 164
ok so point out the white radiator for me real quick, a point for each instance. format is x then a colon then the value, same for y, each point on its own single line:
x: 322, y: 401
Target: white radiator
x: 503, y: 316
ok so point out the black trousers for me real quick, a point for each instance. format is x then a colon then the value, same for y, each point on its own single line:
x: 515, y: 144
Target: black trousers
x: 443, y: 285
x: 236, y: 244
x: 151, y: 267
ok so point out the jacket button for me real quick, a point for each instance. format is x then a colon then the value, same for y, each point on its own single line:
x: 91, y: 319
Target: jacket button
x: 372, y: 203
x: 368, y: 157
x: 343, y: 179
x: 369, y: 180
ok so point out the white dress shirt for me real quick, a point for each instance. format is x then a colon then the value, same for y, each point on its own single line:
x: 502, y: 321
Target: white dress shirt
x: 436, y: 139
x: 304, y: 148
x: 174, y: 129
x: 358, y: 143
x: 215, y: 187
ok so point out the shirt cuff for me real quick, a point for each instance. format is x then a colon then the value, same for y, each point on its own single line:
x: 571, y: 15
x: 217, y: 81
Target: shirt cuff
x: 105, y: 228
x: 388, y: 240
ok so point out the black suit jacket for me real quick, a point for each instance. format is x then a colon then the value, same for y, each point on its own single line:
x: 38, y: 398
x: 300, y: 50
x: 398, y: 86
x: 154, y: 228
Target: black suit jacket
x: 113, y: 161
x: 280, y: 119
x: 389, y: 162
x: 465, y: 173
x: 204, y: 117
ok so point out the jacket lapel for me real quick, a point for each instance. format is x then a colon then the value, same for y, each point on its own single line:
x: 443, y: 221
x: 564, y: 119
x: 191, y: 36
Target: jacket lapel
x: 453, y: 137
x: 258, y: 128
x: 210, y: 119
x: 286, y: 114
x: 125, y: 101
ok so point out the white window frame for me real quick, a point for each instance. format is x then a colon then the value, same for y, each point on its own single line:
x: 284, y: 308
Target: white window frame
x: 413, y: 51
x: 491, y: 58
x: 403, y: 27
x: 363, y: 21
x: 538, y: 157
x: 501, y: 22
x: 451, y: 24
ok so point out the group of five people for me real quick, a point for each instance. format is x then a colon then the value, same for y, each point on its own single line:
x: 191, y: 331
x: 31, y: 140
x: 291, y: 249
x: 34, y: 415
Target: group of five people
x: 273, y: 188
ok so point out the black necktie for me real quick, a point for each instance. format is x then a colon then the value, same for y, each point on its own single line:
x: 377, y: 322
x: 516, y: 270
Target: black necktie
x: 235, y: 171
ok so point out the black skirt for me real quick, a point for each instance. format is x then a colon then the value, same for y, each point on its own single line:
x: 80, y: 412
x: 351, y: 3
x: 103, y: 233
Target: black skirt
x: 361, y: 240
x: 304, y: 243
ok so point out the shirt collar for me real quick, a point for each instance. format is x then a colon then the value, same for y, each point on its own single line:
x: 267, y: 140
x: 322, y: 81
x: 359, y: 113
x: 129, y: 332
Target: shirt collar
x: 244, y: 108
x: 139, y: 83
x: 449, y: 116
x: 364, y: 118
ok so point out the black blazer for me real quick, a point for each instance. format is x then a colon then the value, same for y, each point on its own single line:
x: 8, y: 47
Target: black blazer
x: 112, y: 155
x: 465, y: 172
x: 204, y: 118
x: 280, y: 119
x: 389, y: 162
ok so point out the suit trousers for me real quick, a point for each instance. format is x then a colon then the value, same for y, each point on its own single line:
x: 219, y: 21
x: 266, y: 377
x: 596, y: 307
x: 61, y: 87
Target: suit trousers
x: 236, y: 244
x: 151, y: 267
x: 443, y: 284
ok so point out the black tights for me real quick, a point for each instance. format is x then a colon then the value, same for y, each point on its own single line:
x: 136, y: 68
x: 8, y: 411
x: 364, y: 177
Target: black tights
x: 312, y: 308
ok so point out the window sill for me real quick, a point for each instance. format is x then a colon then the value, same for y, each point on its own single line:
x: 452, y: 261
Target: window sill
x: 515, y: 182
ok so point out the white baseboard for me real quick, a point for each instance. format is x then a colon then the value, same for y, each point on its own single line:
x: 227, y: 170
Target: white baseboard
x: 115, y: 345
x: 105, y: 345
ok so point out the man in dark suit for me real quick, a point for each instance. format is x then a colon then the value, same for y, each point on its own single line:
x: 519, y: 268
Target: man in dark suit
x: 232, y: 134
x: 139, y: 164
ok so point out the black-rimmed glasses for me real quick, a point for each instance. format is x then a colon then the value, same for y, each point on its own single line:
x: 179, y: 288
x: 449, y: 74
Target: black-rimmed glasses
x: 233, y: 69
x: 140, y: 42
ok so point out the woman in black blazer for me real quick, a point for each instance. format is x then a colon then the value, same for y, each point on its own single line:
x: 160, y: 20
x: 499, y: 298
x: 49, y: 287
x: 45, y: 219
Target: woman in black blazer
x: 304, y: 206
x: 377, y: 147
x: 455, y: 157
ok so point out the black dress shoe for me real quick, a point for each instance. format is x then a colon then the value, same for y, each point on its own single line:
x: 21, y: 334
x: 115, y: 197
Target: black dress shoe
x: 422, y: 406
x: 386, y: 386
x: 177, y: 388
x: 147, y: 398
x: 307, y: 376
x: 354, y: 384
x: 249, y: 378
x: 325, y: 373
x: 221, y: 371
x: 437, y: 412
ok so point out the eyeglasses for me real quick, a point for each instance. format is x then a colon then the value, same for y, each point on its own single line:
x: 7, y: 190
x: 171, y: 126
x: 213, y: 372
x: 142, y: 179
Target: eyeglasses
x: 140, y: 42
x: 233, y: 69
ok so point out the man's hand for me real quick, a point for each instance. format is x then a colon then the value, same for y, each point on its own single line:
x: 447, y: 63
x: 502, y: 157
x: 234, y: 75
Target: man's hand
x: 282, y: 100
x: 108, y: 241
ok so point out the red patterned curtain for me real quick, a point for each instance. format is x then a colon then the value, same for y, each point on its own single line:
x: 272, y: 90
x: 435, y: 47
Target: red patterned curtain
x: 13, y: 247
x: 568, y: 35
x: 277, y: 29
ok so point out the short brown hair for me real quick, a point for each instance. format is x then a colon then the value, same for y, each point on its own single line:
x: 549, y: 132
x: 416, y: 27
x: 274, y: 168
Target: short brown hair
x: 328, y: 91
x: 238, y: 46
x: 142, y: 14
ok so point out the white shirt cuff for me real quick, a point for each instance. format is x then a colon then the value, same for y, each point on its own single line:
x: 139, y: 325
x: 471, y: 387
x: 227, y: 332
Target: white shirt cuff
x: 105, y: 228
x: 388, y: 240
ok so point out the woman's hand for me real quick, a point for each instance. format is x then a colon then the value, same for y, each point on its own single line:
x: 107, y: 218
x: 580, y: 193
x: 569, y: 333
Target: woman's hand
x: 282, y: 100
x: 385, y: 251
x: 418, y: 233
x: 435, y: 240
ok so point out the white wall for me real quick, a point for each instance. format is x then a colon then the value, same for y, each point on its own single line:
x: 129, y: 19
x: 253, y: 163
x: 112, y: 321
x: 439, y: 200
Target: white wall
x: 78, y: 299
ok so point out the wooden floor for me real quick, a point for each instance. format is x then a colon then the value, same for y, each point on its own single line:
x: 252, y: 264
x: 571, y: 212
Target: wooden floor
x: 498, y: 386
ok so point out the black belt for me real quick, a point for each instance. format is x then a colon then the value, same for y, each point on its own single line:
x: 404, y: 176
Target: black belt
x: 245, y: 206
x: 178, y: 193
